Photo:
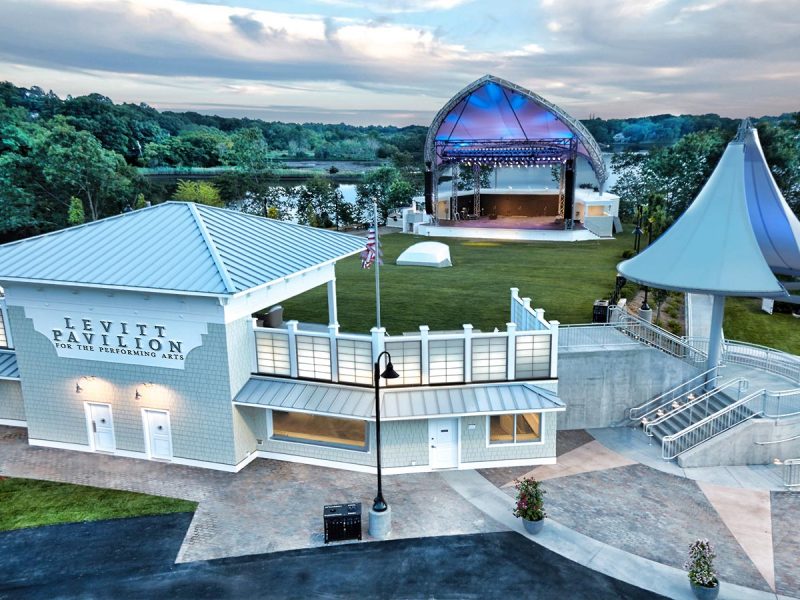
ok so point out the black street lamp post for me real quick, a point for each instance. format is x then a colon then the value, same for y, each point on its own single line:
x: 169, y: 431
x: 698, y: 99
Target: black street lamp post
x: 379, y: 504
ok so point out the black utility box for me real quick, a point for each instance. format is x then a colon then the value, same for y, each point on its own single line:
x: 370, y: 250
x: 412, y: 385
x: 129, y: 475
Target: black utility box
x: 342, y: 522
x: 600, y: 312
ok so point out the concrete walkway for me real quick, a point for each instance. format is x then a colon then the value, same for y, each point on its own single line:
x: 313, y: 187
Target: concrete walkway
x: 608, y: 509
x: 635, y: 514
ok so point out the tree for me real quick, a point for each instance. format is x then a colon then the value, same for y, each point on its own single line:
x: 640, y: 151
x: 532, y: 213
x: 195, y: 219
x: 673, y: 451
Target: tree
x: 140, y: 202
x: 376, y: 187
x: 200, y: 192
x: 318, y: 201
x: 675, y: 174
x: 75, y: 214
x: 75, y: 164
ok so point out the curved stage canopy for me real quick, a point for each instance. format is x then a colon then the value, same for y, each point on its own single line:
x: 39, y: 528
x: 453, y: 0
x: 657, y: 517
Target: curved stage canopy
x: 711, y: 248
x: 775, y: 225
x: 495, y: 122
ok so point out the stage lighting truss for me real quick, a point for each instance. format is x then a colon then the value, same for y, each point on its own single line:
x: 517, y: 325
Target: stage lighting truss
x: 504, y: 153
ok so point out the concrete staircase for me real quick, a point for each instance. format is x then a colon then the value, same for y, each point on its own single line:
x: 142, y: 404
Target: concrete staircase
x: 679, y: 419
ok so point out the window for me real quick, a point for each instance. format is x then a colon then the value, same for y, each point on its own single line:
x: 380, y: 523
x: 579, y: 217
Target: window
x: 523, y: 428
x: 316, y: 429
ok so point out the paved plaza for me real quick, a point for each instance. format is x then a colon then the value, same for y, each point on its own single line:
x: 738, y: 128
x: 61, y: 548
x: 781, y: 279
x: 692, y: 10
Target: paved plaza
x: 597, y: 497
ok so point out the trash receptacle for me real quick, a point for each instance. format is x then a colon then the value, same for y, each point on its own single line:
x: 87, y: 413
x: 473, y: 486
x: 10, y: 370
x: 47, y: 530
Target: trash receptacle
x: 342, y: 521
x: 600, y: 312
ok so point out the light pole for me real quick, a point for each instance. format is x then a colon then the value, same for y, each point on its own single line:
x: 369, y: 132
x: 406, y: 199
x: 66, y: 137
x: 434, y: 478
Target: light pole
x: 380, y: 518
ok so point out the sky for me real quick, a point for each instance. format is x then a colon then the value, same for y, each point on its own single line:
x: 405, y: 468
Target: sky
x: 398, y: 61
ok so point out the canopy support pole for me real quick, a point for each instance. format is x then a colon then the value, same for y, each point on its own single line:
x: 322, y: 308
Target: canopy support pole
x: 715, y: 336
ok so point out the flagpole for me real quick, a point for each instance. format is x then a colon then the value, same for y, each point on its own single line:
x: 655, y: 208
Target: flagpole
x: 377, y: 267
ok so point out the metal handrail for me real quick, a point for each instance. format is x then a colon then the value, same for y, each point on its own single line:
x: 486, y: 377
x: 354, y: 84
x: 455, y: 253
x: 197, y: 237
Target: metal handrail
x: 791, y: 472
x: 690, y: 406
x: 775, y: 403
x: 712, y: 425
x: 770, y: 442
x: 667, y: 398
x: 756, y: 356
x: 637, y: 330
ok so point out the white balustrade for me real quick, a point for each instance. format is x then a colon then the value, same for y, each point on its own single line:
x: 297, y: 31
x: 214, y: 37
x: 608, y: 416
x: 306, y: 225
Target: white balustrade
x: 464, y: 356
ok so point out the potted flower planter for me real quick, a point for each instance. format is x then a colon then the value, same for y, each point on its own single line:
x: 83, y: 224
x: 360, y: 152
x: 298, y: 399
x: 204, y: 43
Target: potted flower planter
x: 533, y: 527
x: 530, y: 504
x: 702, y: 576
x: 703, y: 592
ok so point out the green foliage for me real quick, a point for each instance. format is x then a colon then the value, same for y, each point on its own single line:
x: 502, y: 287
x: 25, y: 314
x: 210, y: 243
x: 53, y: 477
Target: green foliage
x: 200, y: 192
x: 31, y: 503
x: 671, y: 176
x: 700, y: 564
x: 319, y: 202
x: 530, y: 499
x: 140, y: 202
x: 389, y: 187
x: 75, y: 214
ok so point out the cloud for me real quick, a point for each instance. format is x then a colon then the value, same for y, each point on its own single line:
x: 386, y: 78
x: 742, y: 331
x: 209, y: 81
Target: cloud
x: 607, y: 57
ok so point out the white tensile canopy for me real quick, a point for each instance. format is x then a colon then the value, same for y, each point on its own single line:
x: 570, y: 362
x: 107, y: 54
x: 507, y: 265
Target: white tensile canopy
x: 712, y: 248
x: 426, y: 254
x: 775, y: 225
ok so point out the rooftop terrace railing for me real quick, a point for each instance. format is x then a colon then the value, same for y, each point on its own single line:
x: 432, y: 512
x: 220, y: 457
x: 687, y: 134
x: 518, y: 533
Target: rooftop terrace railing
x: 520, y: 353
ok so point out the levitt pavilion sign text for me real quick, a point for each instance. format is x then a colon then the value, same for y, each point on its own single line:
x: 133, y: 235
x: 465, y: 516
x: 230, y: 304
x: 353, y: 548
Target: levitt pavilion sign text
x: 161, y: 343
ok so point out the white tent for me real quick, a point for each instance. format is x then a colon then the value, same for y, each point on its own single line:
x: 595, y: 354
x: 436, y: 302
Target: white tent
x: 712, y: 248
x: 426, y: 254
x: 775, y: 225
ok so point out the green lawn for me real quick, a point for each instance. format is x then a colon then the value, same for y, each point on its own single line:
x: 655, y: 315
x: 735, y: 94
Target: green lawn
x: 32, y: 503
x: 562, y: 278
x: 745, y: 321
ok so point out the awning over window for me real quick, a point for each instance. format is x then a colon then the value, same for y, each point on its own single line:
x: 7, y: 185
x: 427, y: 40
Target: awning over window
x: 397, y: 404
x: 8, y: 365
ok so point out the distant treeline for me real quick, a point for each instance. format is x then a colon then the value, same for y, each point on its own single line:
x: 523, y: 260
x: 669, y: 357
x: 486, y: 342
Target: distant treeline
x: 66, y: 160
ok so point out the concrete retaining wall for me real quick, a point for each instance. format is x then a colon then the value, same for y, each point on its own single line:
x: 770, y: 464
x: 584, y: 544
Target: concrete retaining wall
x: 738, y: 446
x: 600, y: 387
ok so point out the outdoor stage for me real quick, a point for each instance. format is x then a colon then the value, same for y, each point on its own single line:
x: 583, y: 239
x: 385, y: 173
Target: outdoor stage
x: 548, y: 223
x: 529, y: 229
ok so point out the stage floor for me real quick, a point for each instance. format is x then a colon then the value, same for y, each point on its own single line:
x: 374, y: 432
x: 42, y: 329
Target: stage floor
x: 512, y: 228
x: 540, y: 223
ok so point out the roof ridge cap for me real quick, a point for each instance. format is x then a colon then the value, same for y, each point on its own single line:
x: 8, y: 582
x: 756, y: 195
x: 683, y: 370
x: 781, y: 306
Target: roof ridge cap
x: 215, y: 256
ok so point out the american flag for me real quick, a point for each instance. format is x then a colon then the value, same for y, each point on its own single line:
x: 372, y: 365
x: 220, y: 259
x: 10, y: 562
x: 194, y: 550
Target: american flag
x: 372, y: 251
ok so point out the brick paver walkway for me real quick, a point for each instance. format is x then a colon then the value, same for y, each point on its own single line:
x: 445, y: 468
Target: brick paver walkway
x: 268, y: 506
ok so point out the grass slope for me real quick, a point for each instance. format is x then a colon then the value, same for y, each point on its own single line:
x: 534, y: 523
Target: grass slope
x: 745, y: 321
x: 32, y: 503
x: 563, y: 278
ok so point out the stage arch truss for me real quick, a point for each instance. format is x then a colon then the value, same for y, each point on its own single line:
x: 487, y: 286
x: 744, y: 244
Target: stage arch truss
x: 497, y: 123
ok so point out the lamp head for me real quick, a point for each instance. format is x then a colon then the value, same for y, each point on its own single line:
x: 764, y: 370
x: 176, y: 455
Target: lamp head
x: 389, y: 372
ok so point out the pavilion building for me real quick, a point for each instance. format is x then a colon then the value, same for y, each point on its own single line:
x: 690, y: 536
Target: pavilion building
x: 135, y: 336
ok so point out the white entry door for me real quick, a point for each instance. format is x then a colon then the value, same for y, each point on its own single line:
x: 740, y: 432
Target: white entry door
x: 159, y: 436
x: 443, y: 434
x: 101, y: 427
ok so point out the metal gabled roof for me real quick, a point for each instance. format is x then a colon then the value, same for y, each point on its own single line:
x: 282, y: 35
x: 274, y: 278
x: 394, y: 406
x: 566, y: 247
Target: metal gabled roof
x: 8, y: 365
x: 711, y: 248
x: 396, y: 404
x: 255, y: 250
x: 174, y: 247
x: 775, y: 225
